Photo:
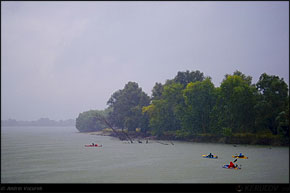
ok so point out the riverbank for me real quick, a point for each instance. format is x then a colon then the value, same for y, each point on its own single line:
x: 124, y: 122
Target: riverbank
x: 239, y: 138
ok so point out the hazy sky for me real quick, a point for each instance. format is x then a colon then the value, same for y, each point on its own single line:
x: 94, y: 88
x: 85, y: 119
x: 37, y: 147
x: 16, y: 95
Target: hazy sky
x: 62, y: 58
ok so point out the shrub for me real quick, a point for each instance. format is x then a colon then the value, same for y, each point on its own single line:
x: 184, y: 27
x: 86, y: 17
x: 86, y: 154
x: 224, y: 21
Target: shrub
x: 227, y: 132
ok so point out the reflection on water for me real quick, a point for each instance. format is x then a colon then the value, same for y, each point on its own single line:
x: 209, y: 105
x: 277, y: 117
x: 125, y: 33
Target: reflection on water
x: 58, y: 155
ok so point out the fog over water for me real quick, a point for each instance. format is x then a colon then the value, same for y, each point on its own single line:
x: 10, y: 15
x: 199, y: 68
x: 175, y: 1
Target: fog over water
x: 62, y: 58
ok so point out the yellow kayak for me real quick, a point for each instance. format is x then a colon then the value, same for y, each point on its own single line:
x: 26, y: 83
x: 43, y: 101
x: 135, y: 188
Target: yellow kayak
x: 243, y: 157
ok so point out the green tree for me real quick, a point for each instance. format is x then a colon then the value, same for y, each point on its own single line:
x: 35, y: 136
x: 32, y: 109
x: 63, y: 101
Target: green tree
x: 247, y: 79
x: 164, y: 113
x: 273, y: 98
x: 200, y: 100
x: 186, y: 77
x: 157, y: 91
x: 127, y: 106
x: 236, y: 100
x: 174, y: 102
x: 167, y: 110
x: 216, y: 115
x: 158, y: 116
x: 283, y: 121
x: 87, y: 122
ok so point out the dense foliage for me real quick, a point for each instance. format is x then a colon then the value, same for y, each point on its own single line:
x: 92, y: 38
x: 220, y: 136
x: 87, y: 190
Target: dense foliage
x: 126, y: 105
x: 193, y: 106
x: 190, y: 105
x: 87, y: 121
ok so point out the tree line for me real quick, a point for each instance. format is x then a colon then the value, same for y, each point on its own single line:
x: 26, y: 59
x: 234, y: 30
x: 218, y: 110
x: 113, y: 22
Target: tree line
x: 189, y: 105
x: 39, y: 122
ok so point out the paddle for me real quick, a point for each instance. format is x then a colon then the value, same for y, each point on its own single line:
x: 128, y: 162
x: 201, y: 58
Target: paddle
x: 236, y: 164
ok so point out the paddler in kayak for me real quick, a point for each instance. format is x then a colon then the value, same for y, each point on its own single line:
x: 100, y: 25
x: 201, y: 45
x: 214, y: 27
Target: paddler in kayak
x: 231, y: 165
x: 210, y: 155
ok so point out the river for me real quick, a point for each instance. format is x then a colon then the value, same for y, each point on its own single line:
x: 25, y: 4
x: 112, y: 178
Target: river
x: 58, y: 155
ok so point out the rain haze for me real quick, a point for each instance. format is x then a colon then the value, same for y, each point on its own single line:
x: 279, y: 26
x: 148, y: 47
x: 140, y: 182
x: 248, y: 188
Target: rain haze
x: 59, y: 59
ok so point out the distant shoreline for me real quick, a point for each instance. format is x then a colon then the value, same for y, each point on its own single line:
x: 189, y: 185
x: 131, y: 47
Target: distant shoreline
x: 40, y: 122
x: 38, y: 125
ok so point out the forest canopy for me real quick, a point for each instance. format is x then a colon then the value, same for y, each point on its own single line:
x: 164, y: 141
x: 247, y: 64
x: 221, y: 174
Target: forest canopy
x: 189, y: 105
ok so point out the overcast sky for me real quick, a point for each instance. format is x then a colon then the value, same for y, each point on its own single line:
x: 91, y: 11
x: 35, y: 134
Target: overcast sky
x: 62, y: 58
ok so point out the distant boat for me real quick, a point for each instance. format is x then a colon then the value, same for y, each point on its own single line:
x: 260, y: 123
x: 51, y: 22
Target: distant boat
x: 95, y: 145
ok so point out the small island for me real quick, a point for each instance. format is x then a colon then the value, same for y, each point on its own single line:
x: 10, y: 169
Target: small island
x: 189, y: 107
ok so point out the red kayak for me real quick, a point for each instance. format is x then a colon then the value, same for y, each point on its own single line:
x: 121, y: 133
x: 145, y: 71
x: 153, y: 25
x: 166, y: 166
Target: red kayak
x: 96, y: 145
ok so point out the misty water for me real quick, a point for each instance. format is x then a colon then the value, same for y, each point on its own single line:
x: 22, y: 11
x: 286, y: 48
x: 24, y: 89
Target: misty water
x: 58, y: 155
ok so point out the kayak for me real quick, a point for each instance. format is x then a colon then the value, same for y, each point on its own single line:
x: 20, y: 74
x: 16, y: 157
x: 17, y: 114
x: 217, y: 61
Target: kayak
x: 206, y: 156
x: 93, y: 145
x: 236, y: 156
x: 227, y: 167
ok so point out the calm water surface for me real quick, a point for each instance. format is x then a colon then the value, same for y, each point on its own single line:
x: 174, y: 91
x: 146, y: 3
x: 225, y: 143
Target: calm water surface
x: 58, y: 155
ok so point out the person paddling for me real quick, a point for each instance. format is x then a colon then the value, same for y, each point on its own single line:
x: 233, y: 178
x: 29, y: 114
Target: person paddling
x: 231, y: 165
x: 210, y: 155
x: 241, y: 155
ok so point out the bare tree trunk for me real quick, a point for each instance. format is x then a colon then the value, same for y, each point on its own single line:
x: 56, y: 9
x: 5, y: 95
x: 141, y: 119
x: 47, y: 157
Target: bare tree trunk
x: 126, y: 134
x: 102, y: 119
